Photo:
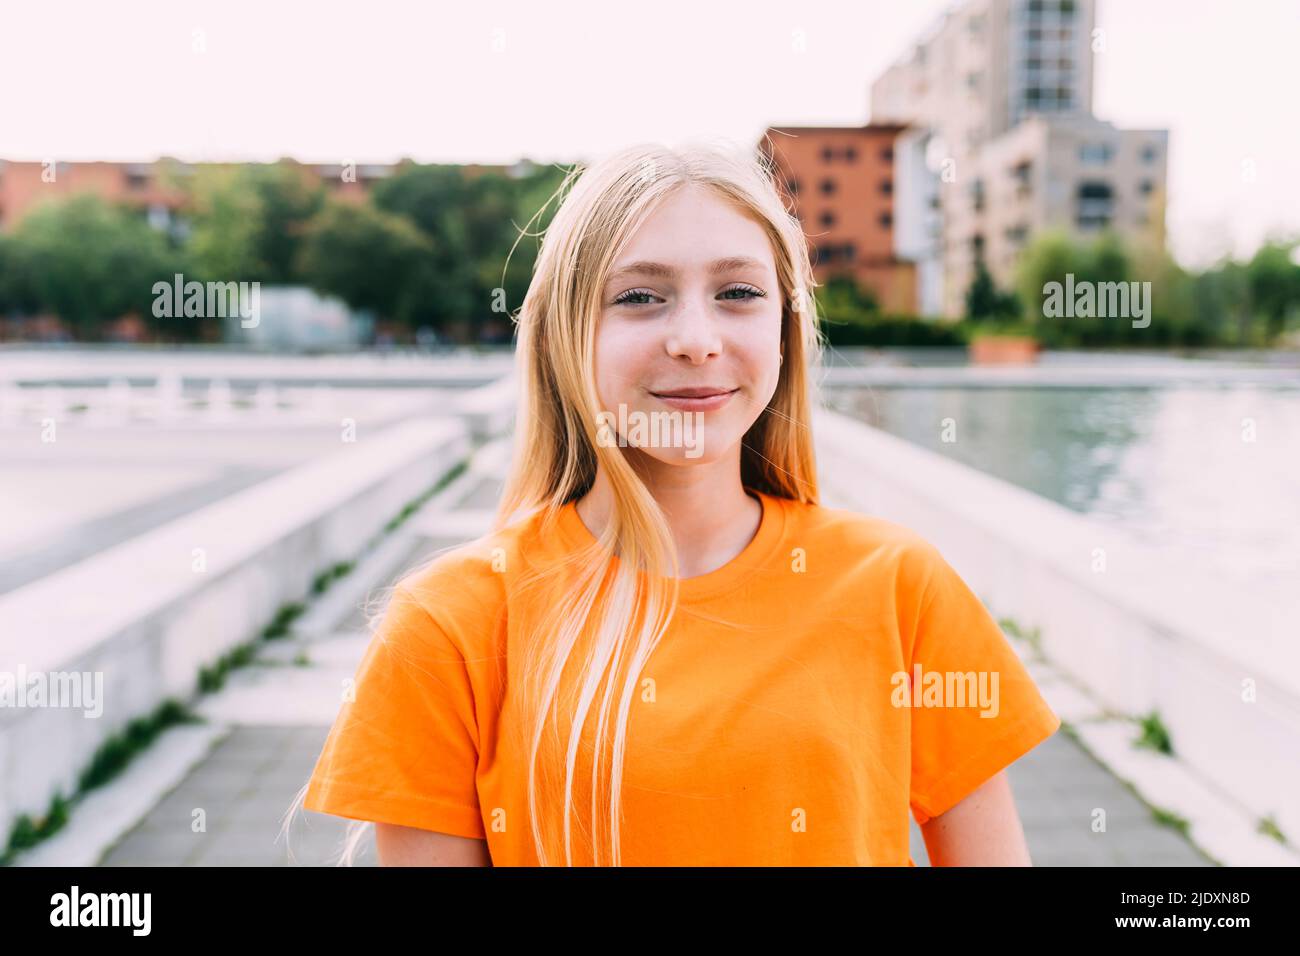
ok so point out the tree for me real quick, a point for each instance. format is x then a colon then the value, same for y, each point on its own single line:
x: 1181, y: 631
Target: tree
x: 1221, y: 303
x: 88, y: 262
x: 842, y: 299
x: 984, y: 301
x: 225, y: 221
x: 435, y: 199
x: 17, y: 281
x: 289, y: 197
x: 248, y: 222
x: 368, y: 258
x: 1274, y: 282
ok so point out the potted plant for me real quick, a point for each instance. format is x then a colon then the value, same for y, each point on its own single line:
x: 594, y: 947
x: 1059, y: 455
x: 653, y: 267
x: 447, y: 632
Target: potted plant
x: 1003, y: 342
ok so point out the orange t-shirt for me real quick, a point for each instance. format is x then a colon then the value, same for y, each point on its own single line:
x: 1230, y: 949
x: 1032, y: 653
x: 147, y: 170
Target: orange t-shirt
x: 834, y: 675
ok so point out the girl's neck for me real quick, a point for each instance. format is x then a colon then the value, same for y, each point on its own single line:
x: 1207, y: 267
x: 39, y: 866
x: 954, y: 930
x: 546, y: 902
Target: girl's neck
x: 711, y: 515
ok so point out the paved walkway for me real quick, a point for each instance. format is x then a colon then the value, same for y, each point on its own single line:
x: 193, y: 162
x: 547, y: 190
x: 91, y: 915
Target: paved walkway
x: 279, y: 709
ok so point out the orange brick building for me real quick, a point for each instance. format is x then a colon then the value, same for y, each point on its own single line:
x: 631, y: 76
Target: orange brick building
x: 840, y: 182
x: 23, y: 185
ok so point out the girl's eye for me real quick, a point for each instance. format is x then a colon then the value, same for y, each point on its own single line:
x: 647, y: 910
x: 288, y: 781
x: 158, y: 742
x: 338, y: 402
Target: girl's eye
x: 628, y: 296
x: 639, y: 296
x: 747, y: 293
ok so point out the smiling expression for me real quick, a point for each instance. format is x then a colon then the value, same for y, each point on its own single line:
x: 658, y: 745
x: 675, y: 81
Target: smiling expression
x: 691, y: 321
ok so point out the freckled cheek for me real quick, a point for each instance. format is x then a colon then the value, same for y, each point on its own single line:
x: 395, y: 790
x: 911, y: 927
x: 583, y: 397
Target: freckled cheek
x: 623, y: 360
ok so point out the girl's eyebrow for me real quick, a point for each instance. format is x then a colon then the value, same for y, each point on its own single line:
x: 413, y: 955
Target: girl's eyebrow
x: 659, y: 270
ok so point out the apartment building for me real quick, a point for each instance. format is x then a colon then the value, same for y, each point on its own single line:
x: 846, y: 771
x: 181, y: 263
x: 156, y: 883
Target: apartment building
x: 990, y: 64
x: 1077, y: 173
x: 1002, y: 92
x: 839, y: 180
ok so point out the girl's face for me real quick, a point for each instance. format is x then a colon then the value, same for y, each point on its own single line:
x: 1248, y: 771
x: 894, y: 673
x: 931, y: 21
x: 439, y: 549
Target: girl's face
x: 692, y: 305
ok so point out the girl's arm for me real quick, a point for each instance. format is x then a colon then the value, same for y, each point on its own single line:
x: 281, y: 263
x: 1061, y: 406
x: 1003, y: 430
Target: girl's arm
x: 983, y: 830
x: 407, y: 846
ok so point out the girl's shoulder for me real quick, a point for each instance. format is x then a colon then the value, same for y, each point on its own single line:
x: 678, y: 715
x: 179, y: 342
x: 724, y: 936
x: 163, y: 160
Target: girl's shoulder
x: 867, y: 549
x: 466, y: 588
x: 858, y: 532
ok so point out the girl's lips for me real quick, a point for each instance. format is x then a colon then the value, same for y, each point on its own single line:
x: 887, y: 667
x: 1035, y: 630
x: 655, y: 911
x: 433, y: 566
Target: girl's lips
x: 704, y: 404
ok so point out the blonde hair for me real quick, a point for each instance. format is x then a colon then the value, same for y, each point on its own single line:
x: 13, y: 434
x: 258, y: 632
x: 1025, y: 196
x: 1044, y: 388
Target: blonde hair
x: 556, y: 454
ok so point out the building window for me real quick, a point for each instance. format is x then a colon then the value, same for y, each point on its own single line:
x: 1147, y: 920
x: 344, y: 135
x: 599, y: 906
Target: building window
x: 843, y: 252
x: 1149, y: 153
x: 828, y: 187
x: 793, y: 186
x: 1022, y: 174
x: 886, y: 220
x: 977, y: 195
x: 887, y: 154
x: 1095, y: 154
x: 1146, y: 187
x: 850, y: 154
x: 828, y: 154
x: 886, y: 187
x: 828, y: 219
x: 1095, y: 205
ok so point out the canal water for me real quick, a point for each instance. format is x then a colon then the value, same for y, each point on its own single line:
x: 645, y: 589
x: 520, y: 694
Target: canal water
x: 1205, y: 476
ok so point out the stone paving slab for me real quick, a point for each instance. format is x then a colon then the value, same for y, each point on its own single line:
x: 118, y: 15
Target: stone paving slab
x: 239, y: 797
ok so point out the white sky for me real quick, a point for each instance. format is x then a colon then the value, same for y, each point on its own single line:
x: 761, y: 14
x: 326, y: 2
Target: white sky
x: 555, y: 81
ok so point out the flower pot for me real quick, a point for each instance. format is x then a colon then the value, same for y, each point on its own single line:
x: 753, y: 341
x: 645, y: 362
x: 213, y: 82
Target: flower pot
x: 1003, y: 350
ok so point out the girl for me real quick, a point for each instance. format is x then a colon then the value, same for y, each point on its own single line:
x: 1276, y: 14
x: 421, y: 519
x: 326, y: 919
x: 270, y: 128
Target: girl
x: 666, y: 652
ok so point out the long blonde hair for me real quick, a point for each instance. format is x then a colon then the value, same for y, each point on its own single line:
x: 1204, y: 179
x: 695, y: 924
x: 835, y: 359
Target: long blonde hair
x: 556, y: 454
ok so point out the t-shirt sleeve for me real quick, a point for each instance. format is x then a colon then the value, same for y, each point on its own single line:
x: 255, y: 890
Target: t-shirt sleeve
x: 404, y: 746
x: 977, y: 710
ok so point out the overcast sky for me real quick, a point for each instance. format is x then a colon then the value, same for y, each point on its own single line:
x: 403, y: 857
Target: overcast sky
x: 556, y: 81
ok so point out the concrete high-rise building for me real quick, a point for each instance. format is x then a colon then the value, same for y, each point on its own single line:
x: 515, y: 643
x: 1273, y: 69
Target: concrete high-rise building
x: 988, y: 65
x: 1000, y: 94
x: 1077, y: 174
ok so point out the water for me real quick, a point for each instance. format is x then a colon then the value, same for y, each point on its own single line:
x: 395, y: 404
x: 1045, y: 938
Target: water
x: 1210, y: 475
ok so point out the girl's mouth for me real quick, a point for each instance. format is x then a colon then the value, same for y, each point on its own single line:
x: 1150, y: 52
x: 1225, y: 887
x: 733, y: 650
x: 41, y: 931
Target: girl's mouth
x: 696, y: 400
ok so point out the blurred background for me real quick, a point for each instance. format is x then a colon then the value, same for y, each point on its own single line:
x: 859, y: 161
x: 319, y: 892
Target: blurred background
x: 258, y: 273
